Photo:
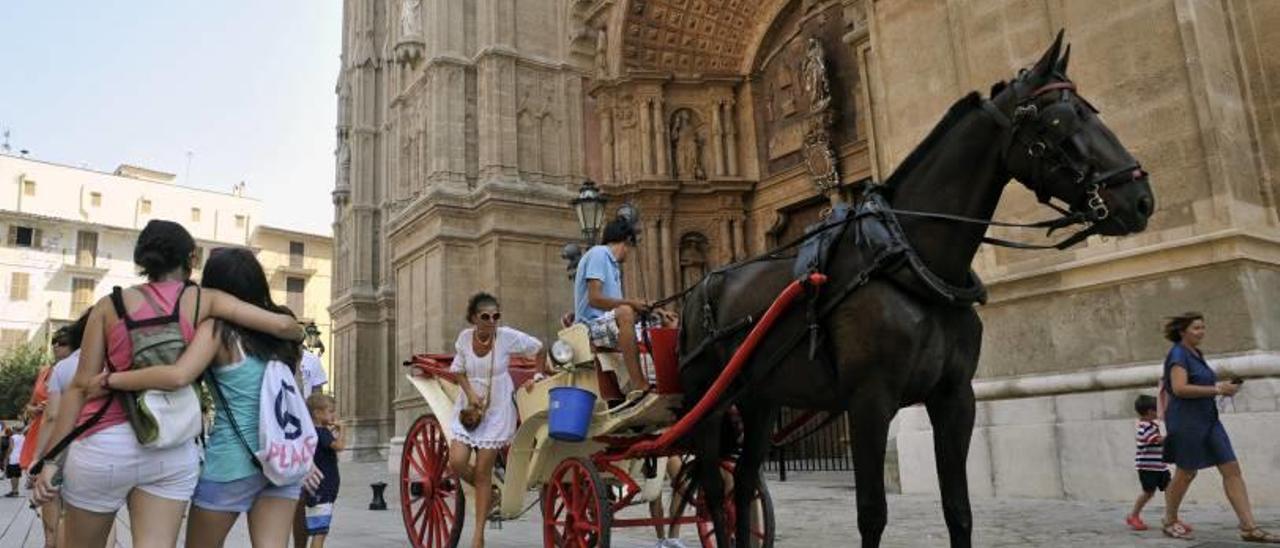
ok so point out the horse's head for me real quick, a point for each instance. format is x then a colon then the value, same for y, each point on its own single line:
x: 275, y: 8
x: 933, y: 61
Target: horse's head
x: 1059, y: 148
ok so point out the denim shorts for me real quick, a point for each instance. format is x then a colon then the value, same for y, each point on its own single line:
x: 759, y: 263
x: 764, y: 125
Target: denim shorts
x: 238, y: 495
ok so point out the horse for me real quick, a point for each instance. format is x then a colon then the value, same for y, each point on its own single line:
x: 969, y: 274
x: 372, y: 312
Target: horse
x: 903, y: 332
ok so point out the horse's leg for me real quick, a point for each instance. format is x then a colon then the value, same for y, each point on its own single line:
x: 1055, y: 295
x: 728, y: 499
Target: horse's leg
x: 707, y: 473
x: 871, y: 410
x: 951, y: 410
x: 757, y: 422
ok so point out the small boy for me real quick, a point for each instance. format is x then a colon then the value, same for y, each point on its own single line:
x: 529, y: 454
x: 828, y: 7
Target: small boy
x: 1153, y: 473
x: 318, y: 512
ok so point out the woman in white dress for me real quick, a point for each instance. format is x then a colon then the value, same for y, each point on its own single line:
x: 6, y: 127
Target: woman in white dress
x: 482, y: 354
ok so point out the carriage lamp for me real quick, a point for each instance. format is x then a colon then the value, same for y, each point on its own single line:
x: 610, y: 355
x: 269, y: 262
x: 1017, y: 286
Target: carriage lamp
x: 313, y: 335
x: 589, y: 206
x: 561, y: 353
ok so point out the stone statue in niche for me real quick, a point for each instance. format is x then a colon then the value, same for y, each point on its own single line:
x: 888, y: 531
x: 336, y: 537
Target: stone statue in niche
x: 686, y: 146
x: 344, y: 161
x: 411, y: 18
x: 694, y: 249
x: 814, y: 70
x: 602, y: 51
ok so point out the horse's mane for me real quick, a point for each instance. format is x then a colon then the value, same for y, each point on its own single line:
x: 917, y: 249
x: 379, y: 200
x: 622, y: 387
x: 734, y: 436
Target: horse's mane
x: 958, y: 110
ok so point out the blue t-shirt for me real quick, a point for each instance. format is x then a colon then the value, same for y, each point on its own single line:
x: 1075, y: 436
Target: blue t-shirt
x: 326, y: 459
x: 597, y: 264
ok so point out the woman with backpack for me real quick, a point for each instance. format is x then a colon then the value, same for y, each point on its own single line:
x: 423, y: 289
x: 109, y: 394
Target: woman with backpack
x: 119, y: 456
x: 235, y: 358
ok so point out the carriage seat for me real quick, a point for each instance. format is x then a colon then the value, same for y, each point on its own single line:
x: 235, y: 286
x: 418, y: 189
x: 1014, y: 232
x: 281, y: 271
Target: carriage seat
x: 815, y: 252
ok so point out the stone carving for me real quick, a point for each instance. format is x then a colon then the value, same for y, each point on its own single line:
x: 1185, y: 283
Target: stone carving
x: 602, y: 52
x: 819, y: 158
x: 814, y: 69
x: 686, y: 145
x: 703, y: 36
x: 343, y: 162
x: 411, y: 18
x: 694, y: 249
x: 410, y: 46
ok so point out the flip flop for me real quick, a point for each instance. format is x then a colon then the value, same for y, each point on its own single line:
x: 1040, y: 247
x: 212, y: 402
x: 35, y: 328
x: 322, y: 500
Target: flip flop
x: 1177, y: 530
x: 1259, y: 535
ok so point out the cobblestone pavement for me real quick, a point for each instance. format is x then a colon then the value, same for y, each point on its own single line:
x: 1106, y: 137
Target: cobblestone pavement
x: 813, y: 510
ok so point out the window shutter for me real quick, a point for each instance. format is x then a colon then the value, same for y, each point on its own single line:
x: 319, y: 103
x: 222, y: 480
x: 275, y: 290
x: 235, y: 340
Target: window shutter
x: 36, y: 235
x: 13, y: 236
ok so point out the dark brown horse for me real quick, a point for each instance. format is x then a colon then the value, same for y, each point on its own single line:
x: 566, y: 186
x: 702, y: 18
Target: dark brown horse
x: 909, y: 334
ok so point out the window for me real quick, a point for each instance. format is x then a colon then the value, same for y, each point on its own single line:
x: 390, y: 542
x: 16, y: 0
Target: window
x: 198, y: 262
x: 19, y: 285
x: 10, y: 338
x: 297, y: 250
x: 24, y: 236
x: 239, y: 221
x: 145, y: 207
x: 28, y: 188
x: 295, y: 288
x: 195, y: 214
x: 86, y: 248
x: 81, y: 295
x: 95, y: 199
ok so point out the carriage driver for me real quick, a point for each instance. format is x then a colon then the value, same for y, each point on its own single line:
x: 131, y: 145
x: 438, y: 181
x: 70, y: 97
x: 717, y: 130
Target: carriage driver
x: 598, y: 302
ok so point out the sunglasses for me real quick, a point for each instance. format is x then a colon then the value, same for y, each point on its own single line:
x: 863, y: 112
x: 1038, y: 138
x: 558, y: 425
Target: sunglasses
x: 489, y: 317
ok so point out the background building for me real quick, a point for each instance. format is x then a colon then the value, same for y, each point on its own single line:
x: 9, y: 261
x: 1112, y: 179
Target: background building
x: 462, y: 127
x: 70, y: 232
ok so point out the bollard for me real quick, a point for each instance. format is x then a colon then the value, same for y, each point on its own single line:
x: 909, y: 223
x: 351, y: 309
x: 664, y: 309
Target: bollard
x: 378, y: 503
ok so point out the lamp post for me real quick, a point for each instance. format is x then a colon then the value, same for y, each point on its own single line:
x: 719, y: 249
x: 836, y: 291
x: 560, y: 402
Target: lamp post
x: 313, y: 337
x: 589, y: 207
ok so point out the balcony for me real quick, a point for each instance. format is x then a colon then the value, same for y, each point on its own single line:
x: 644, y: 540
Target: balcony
x: 82, y: 266
x: 294, y: 270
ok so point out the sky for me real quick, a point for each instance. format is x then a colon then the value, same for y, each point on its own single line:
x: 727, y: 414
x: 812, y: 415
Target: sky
x: 247, y: 87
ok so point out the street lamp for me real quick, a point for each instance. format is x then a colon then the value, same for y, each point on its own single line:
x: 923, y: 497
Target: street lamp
x: 589, y: 205
x: 313, y: 337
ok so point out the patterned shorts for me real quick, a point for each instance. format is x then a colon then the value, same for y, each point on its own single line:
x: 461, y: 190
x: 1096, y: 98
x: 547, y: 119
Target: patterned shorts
x: 604, y: 331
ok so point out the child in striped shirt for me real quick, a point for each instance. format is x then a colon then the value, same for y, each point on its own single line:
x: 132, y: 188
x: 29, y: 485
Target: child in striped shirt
x: 1153, y: 473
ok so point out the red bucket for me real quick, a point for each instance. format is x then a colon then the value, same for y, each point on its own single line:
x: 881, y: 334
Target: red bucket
x: 666, y: 363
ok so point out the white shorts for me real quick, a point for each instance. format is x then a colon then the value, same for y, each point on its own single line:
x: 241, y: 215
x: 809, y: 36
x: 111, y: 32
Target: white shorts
x: 102, y: 469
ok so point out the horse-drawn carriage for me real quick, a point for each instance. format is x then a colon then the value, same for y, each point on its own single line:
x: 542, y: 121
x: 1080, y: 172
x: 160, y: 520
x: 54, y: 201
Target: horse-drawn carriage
x: 581, y: 485
x: 895, y: 327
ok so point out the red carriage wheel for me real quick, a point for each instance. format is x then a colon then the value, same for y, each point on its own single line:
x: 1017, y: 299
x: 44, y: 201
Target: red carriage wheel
x: 763, y: 526
x: 575, y: 509
x: 431, y: 498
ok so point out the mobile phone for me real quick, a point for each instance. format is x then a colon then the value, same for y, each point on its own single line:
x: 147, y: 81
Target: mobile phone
x: 1237, y: 381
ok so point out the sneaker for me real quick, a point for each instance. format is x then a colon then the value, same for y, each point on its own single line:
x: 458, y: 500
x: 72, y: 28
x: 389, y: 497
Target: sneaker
x: 1135, y: 523
x: 673, y: 543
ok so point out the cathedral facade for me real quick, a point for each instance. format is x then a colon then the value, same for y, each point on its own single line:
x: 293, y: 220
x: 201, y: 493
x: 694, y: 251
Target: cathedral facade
x: 465, y: 127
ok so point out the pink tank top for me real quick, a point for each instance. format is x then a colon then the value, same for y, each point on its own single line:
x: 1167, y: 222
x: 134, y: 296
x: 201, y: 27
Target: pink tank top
x: 120, y: 348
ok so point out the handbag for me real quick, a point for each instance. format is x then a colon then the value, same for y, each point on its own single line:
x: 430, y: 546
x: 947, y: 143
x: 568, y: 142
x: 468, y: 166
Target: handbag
x: 473, y: 414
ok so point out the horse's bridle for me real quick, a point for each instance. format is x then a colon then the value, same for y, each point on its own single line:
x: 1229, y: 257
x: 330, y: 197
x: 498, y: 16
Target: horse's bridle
x: 1035, y: 134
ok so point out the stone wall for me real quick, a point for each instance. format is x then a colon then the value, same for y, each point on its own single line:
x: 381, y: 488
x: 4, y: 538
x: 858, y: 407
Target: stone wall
x: 1081, y: 446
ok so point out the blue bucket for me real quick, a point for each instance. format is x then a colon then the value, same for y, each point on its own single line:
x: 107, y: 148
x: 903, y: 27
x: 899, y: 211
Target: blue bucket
x: 570, y: 414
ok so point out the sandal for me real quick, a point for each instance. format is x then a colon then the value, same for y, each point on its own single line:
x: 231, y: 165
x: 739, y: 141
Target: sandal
x: 1259, y: 535
x: 1177, y: 530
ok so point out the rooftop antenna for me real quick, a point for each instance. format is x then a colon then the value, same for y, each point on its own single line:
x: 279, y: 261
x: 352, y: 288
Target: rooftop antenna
x: 187, y: 177
x: 5, y: 145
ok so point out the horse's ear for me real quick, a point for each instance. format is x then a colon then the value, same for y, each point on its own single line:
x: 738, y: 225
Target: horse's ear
x: 1061, y: 69
x: 1045, y: 66
x: 998, y: 87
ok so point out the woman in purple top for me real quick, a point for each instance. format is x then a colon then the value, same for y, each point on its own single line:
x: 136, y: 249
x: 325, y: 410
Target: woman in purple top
x: 1196, y: 438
